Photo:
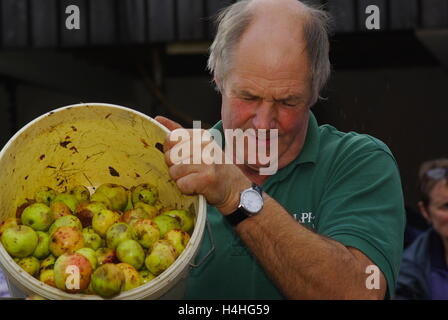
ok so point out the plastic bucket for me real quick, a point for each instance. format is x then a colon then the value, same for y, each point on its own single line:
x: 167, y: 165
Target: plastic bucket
x: 91, y: 144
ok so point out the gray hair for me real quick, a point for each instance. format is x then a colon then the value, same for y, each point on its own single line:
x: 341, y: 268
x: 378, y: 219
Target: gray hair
x: 235, y: 19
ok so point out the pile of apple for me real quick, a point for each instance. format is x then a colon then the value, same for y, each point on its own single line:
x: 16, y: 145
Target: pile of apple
x: 111, y: 241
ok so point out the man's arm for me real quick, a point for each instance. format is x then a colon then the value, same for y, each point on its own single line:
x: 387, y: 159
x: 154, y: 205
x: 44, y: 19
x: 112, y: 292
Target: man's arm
x: 303, y: 264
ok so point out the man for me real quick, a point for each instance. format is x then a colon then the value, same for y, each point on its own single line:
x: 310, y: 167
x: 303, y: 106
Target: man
x: 333, y: 210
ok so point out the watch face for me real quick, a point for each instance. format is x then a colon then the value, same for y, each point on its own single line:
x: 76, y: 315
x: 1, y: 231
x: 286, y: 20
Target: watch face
x: 252, y: 201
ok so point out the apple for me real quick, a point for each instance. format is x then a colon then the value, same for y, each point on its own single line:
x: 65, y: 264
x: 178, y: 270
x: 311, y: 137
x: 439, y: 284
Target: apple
x: 103, y: 220
x: 48, y: 263
x: 65, y: 221
x: 131, y: 276
x: 178, y: 239
x: 19, y: 241
x: 145, y: 231
x: 90, y: 254
x: 59, y: 209
x: 151, y: 210
x: 131, y: 252
x: 166, y: 223
x: 47, y: 277
x: 145, y: 276
x: 8, y: 223
x: 86, y: 210
x: 22, y: 207
x: 145, y: 192
x: 101, y: 198
x: 37, y: 216
x: 136, y: 213
x: 30, y: 265
x: 185, y: 218
x: 106, y: 255
x: 116, y: 194
x: 45, y: 195
x: 72, y: 272
x: 69, y: 199
x: 66, y: 240
x: 91, y: 238
x: 117, y: 233
x: 80, y: 192
x: 162, y: 255
x: 108, y: 280
x: 43, y: 245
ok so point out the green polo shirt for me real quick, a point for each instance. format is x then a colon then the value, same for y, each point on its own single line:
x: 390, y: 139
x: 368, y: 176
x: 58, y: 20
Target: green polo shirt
x: 345, y: 186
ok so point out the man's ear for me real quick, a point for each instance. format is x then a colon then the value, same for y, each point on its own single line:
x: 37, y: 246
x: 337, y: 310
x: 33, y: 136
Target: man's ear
x: 424, y: 211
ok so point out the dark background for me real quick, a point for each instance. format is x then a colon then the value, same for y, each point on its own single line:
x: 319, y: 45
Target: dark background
x: 150, y: 55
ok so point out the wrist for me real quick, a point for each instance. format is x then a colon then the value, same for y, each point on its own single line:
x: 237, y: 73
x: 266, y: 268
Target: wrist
x: 233, y: 199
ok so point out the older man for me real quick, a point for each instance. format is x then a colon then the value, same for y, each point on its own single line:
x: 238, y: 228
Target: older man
x: 332, y: 214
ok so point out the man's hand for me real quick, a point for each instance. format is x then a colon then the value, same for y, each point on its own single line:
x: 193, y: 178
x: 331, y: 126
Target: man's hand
x: 220, y: 184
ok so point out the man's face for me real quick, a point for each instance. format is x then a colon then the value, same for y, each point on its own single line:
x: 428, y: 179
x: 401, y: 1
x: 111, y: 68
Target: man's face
x: 268, y: 87
x: 438, y: 208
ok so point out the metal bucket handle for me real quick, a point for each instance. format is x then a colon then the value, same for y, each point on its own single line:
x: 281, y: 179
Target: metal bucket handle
x: 204, y: 258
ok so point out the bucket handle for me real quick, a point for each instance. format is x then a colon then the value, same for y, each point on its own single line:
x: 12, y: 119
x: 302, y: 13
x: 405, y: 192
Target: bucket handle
x: 204, y: 258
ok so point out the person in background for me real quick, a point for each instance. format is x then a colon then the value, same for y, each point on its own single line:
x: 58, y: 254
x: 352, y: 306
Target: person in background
x: 424, y: 272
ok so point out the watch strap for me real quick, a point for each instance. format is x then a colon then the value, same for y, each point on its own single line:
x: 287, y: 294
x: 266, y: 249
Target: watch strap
x: 240, y: 213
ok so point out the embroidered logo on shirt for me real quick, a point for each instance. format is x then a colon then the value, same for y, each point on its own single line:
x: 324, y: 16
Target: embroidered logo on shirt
x: 306, y: 218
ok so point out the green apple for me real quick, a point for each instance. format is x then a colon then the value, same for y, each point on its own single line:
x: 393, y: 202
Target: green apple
x: 45, y: 195
x: 47, y: 277
x: 131, y: 276
x: 108, y: 280
x: 117, y: 195
x: 90, y: 254
x: 8, y: 223
x: 43, y: 245
x: 136, y: 213
x: 37, y: 216
x: 65, y: 221
x: 166, y: 223
x: 151, y: 210
x: 91, y: 238
x: 106, y: 255
x: 102, y: 198
x: 162, y: 255
x: 80, y: 192
x: 145, y: 276
x: 66, y: 240
x: 178, y: 239
x: 103, y: 220
x: 131, y: 252
x: 86, y: 210
x: 145, y: 231
x: 117, y: 233
x: 48, y: 263
x: 69, y: 199
x: 19, y: 241
x: 30, y: 265
x: 145, y: 192
x: 185, y: 218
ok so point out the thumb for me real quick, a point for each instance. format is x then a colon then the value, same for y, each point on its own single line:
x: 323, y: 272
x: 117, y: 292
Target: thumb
x: 170, y: 124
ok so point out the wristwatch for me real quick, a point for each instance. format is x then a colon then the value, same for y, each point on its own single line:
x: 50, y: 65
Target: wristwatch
x: 251, y: 203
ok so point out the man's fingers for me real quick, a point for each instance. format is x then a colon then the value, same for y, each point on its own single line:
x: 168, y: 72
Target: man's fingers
x: 170, y: 124
x: 178, y: 171
x: 187, y: 184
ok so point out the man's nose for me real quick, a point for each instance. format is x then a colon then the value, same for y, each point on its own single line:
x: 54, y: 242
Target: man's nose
x: 265, y: 116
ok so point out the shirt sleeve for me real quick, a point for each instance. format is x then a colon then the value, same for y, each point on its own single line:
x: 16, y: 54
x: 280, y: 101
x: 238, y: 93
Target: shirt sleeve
x: 362, y: 206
